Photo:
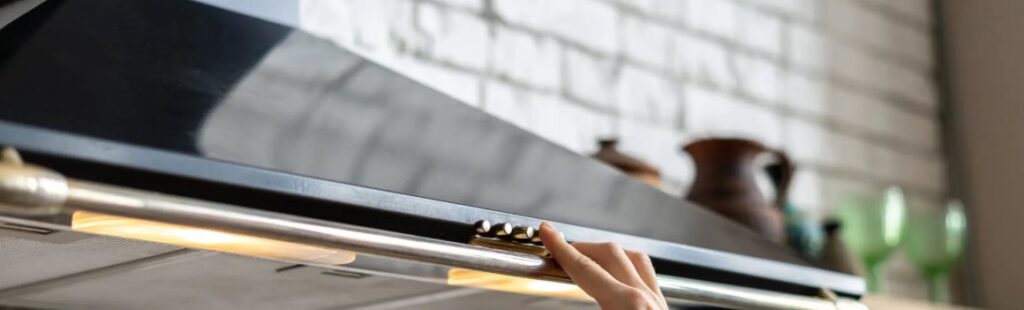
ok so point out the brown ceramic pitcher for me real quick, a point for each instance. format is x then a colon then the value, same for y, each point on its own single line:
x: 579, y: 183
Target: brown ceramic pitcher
x: 725, y: 183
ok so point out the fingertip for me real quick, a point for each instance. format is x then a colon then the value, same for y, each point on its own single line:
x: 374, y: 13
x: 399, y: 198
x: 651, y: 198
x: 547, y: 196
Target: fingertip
x: 548, y: 232
x: 545, y: 227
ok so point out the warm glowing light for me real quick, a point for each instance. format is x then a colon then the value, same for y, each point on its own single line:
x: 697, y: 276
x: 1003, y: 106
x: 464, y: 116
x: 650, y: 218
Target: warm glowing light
x: 206, y: 239
x: 549, y: 286
x: 499, y: 282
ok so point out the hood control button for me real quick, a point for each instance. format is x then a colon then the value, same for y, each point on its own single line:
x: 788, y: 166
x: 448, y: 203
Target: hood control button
x: 482, y: 227
x: 506, y: 236
x: 500, y: 230
x: 523, y: 233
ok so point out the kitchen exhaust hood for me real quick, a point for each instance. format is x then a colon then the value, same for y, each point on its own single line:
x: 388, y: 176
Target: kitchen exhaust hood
x: 147, y: 139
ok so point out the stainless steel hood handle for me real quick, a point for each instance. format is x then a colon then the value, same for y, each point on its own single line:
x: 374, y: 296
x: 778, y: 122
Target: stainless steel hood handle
x: 31, y: 190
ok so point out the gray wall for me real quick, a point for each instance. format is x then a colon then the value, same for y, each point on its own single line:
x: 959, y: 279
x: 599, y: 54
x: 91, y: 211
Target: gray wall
x: 984, y: 43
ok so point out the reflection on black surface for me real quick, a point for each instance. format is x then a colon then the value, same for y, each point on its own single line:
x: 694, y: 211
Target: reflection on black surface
x: 186, y: 77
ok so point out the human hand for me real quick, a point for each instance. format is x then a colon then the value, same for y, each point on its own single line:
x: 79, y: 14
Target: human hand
x: 615, y: 278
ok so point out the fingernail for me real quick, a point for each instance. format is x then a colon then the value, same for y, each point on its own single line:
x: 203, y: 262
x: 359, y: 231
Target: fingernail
x: 545, y: 225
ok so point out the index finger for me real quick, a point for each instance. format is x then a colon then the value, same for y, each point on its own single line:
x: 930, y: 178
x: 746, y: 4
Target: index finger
x: 583, y: 270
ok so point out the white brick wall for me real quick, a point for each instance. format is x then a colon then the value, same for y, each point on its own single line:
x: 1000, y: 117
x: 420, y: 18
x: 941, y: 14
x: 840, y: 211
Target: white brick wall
x: 845, y: 86
x: 760, y: 31
x: 647, y: 96
x: 453, y: 36
x: 646, y: 42
x: 716, y: 17
x: 527, y: 58
x: 590, y: 78
x: 702, y: 60
x: 592, y: 24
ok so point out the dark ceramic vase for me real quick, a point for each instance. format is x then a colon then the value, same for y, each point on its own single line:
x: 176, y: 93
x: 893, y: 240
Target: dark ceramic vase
x: 834, y: 255
x: 725, y: 183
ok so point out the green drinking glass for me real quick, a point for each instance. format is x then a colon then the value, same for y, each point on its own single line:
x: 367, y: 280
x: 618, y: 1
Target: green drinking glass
x: 872, y: 227
x: 934, y: 241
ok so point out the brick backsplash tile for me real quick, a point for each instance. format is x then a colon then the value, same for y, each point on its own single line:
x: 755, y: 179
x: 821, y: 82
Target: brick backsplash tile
x: 873, y: 75
x: 807, y: 48
x: 590, y: 78
x: 703, y: 60
x: 859, y: 111
x: 759, y: 78
x: 884, y: 163
x: 918, y: 88
x: 873, y: 116
x: 799, y: 9
x: 922, y: 175
x: 364, y: 25
x: 853, y: 21
x: 859, y: 68
x: 807, y: 141
x: 645, y: 41
x: 922, y: 172
x: 849, y: 153
x: 804, y: 94
x: 915, y: 11
x: 912, y: 43
x: 917, y: 130
x: 836, y: 188
x: 851, y: 18
x: 473, y: 5
x: 527, y: 58
x: 591, y: 23
x: 713, y: 114
x: 644, y: 6
x: 714, y: 17
x: 760, y: 31
x: 454, y: 36
x: 674, y: 10
x: 647, y: 96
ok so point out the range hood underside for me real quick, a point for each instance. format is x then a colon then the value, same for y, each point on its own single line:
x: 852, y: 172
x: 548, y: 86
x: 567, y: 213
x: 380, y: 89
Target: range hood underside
x: 55, y: 268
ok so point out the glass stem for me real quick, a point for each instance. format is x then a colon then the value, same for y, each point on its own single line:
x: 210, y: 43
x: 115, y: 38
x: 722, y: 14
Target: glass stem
x: 875, y: 273
x: 938, y: 287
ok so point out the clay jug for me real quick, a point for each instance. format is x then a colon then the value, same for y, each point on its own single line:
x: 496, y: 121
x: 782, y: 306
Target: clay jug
x: 725, y: 183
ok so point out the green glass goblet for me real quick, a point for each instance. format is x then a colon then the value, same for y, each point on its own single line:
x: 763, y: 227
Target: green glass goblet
x: 872, y: 227
x: 934, y: 240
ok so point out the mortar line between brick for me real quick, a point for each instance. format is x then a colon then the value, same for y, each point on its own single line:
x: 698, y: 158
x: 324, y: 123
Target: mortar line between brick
x: 775, y: 107
x: 882, y: 95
